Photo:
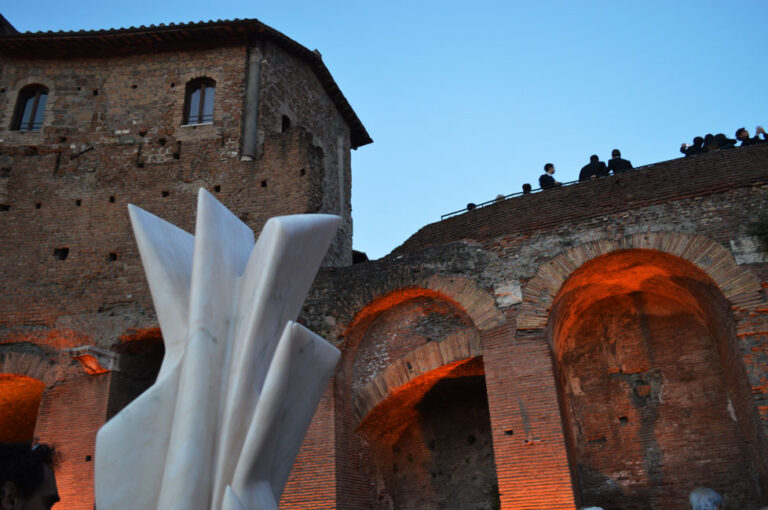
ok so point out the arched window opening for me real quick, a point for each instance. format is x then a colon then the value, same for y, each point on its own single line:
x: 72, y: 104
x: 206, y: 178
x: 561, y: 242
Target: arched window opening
x: 30, y: 108
x: 19, y: 399
x: 198, y: 104
x: 286, y: 123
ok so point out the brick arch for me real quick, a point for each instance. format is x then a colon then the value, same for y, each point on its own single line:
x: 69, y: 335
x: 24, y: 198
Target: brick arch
x: 50, y: 368
x: 463, y: 292
x: 739, y: 286
x: 447, y: 354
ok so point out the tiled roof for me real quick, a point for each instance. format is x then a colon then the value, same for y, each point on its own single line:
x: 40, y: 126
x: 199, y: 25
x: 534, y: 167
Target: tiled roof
x: 132, y: 40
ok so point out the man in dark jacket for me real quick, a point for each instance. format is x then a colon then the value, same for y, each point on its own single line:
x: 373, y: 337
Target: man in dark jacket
x: 594, y: 169
x: 546, y: 181
x: 693, y: 150
x: 743, y: 135
x: 617, y: 164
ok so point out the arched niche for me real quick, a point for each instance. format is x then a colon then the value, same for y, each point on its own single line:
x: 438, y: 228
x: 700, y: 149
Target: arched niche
x: 19, y: 400
x: 410, y: 398
x: 654, y: 395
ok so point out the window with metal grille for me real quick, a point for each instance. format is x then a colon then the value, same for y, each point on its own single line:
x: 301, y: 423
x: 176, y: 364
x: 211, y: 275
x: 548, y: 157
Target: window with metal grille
x: 30, y: 108
x: 198, y: 103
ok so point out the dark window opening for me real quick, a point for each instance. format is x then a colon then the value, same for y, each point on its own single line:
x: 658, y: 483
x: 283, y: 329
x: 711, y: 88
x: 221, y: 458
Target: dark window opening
x: 134, y: 86
x: 38, y: 205
x: 5, y: 207
x: 263, y: 184
x: 303, y: 172
x: 78, y: 202
x: 95, y: 92
x: 217, y: 188
x: 112, y: 200
x: 286, y: 123
x: 61, y: 253
x: 198, y: 102
x: 88, y: 458
x: 165, y: 193
x: 30, y: 108
x: 112, y: 257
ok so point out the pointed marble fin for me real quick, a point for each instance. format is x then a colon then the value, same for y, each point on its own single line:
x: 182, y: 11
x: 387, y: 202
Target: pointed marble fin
x: 222, y: 246
x: 131, y: 448
x: 166, y: 253
x: 274, y: 286
x: 260, y: 498
x: 297, y: 378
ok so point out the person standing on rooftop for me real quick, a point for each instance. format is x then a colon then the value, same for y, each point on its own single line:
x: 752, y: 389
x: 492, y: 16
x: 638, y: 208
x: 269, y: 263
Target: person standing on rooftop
x: 617, y: 164
x: 546, y: 181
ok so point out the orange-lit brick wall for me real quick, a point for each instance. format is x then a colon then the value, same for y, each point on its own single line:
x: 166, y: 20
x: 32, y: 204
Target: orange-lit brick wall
x: 70, y: 415
x: 645, y: 388
x: 312, y: 483
x: 530, y: 449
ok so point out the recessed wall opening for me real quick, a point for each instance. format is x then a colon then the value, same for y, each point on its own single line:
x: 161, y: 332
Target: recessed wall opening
x: 61, y: 253
x: 286, y: 124
x: 424, y: 424
x: 140, y: 356
x: 650, y: 407
x: 19, y: 400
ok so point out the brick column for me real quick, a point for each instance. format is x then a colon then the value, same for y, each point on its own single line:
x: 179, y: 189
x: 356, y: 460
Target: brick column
x: 69, y: 418
x: 528, y: 440
x: 312, y: 483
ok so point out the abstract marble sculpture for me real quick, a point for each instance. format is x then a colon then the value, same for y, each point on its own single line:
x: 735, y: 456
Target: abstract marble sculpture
x: 240, y: 381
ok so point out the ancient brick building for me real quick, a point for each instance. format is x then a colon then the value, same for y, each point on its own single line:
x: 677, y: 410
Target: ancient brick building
x: 599, y: 344
x: 92, y: 121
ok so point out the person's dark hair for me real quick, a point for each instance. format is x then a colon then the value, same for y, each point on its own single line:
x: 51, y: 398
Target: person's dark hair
x: 698, y: 140
x: 548, y: 166
x: 471, y: 206
x: 526, y: 188
x: 22, y: 464
x: 616, y: 153
x: 593, y: 158
x: 740, y: 131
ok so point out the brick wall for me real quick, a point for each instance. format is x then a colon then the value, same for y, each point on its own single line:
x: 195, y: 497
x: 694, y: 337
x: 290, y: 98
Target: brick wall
x: 69, y: 417
x: 697, y: 212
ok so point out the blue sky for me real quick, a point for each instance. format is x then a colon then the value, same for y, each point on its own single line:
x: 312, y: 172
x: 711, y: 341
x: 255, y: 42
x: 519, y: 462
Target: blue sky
x: 466, y: 100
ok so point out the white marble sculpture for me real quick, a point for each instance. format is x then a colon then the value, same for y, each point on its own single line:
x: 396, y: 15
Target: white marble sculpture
x: 240, y: 381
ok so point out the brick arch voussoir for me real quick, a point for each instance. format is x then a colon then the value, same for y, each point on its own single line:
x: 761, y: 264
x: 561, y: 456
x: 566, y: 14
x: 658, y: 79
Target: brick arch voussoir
x: 478, y: 304
x: 739, y: 286
x: 459, y: 346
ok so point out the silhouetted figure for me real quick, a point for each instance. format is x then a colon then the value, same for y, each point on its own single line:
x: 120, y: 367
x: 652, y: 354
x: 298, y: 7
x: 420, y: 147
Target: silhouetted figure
x: 705, y: 499
x: 526, y: 188
x: 471, y: 206
x: 710, y: 145
x: 546, y: 181
x: 743, y: 136
x: 693, y: 150
x: 592, y: 170
x: 617, y: 164
x: 27, y: 480
x: 499, y: 198
x: 723, y: 142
